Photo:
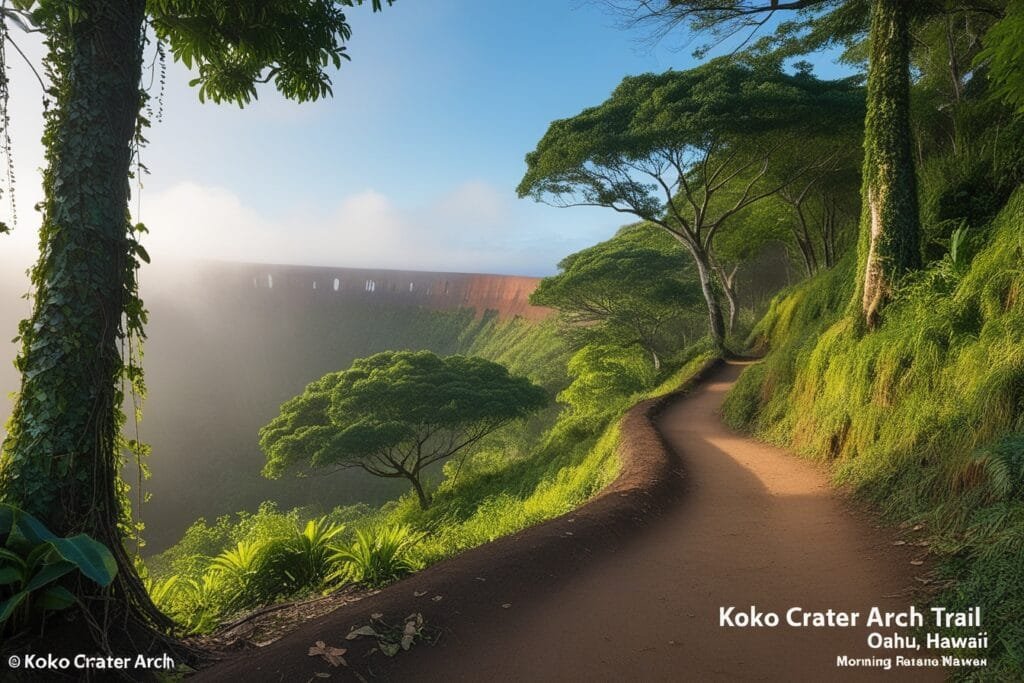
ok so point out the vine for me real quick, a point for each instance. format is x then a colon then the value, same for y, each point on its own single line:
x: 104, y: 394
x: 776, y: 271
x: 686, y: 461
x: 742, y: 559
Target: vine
x: 82, y: 346
x: 5, y: 119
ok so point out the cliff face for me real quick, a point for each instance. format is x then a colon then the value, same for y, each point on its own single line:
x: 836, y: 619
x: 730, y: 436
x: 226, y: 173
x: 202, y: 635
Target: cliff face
x: 508, y: 295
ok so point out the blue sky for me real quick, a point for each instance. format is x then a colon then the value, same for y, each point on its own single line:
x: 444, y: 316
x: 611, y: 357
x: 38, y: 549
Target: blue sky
x: 412, y: 164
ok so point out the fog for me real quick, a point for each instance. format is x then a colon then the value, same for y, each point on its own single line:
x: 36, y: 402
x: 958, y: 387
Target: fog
x: 220, y: 358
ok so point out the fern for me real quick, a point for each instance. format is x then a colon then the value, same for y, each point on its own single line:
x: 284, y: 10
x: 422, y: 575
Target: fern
x: 378, y: 559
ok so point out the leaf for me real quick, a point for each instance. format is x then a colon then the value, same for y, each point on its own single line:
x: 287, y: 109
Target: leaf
x: 8, y: 606
x: 6, y: 516
x: 419, y: 594
x: 389, y: 649
x: 332, y: 655
x: 91, y: 557
x: 56, y: 598
x: 409, y: 633
x: 48, y: 574
x: 362, y: 631
x: 9, y: 575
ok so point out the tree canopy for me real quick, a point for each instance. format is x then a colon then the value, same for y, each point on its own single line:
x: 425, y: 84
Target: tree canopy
x: 629, y: 290
x: 668, y: 147
x: 396, y: 413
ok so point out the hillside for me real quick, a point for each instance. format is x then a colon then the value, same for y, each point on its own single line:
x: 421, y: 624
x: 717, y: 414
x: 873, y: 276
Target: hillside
x: 922, y: 417
x: 223, y: 354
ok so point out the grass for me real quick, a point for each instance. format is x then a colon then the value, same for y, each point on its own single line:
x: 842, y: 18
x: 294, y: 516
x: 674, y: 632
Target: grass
x: 923, y: 417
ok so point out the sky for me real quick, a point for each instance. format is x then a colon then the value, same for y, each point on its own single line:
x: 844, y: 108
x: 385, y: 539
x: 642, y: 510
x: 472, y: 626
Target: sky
x: 412, y: 164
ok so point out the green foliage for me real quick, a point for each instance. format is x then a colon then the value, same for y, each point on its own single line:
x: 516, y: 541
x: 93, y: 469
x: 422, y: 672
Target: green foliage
x: 305, y: 560
x: 631, y: 290
x: 379, y: 557
x: 235, y: 46
x: 924, y: 416
x: 505, y: 486
x: 33, y: 562
x: 63, y: 453
x: 241, y: 576
x: 604, y: 378
x: 1003, y: 55
x: 967, y: 186
x: 687, y: 151
x: 395, y: 413
x: 239, y: 564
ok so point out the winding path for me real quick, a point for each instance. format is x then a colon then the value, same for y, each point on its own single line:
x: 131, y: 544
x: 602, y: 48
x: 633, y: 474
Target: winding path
x: 746, y: 524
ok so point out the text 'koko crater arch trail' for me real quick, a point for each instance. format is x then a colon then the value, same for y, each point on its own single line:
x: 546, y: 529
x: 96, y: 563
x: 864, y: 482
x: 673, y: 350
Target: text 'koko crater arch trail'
x: 732, y: 522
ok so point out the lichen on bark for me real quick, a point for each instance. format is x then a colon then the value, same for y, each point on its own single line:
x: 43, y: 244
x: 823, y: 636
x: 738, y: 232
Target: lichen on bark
x: 889, y: 226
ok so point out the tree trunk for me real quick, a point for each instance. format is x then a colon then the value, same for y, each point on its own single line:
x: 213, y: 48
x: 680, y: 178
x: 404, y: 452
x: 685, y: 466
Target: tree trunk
x: 889, y: 239
x: 60, y: 460
x: 716, y: 325
x: 421, y: 493
x: 728, y: 281
x: 805, y: 242
x: 734, y: 304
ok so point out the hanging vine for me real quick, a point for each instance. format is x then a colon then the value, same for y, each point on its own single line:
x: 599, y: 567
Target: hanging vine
x: 5, y: 119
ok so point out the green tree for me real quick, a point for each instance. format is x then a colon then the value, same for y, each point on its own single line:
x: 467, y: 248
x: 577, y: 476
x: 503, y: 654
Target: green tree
x: 62, y: 456
x: 824, y: 202
x: 667, y: 148
x: 604, y: 380
x: 625, y: 291
x: 889, y: 242
x: 396, y: 413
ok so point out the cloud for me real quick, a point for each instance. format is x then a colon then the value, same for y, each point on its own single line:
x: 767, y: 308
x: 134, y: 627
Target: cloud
x: 471, y: 228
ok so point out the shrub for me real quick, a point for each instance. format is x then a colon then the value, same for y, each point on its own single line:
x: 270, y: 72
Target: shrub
x: 33, y: 560
x: 376, y: 559
x: 304, y: 561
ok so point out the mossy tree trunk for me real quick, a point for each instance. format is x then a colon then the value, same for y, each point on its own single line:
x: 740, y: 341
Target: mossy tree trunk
x: 60, y: 461
x: 889, y: 228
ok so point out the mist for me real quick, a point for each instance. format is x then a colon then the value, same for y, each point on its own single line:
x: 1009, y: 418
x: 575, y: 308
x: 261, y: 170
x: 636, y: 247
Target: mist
x: 222, y: 353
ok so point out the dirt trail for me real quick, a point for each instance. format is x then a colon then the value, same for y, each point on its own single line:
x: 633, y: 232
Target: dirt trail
x: 750, y: 525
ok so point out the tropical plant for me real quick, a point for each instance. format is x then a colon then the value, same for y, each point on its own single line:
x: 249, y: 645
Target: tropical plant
x: 202, y: 603
x: 377, y: 557
x: 163, y: 591
x: 32, y: 562
x: 240, y: 572
x: 304, y: 561
x: 1002, y: 55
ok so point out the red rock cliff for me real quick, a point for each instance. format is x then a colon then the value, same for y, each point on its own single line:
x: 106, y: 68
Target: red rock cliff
x: 508, y: 295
